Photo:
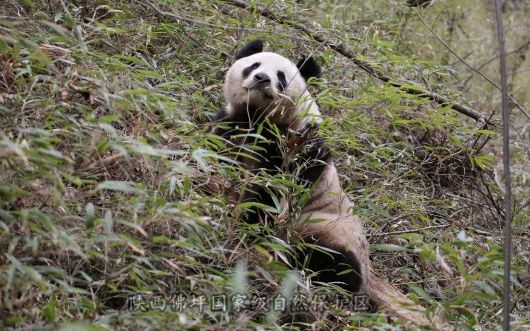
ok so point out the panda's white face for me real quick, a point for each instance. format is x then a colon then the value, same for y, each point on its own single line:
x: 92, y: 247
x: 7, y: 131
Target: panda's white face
x: 270, y: 82
x: 263, y: 79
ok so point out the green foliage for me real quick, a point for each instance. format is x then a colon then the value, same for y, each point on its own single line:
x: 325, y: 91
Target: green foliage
x: 111, y: 187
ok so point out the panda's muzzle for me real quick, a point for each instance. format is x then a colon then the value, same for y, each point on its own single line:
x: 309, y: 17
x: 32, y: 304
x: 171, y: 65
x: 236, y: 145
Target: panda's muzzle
x: 261, y: 80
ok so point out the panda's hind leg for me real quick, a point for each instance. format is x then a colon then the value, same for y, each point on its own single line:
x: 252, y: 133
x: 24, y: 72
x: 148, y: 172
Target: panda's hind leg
x: 341, y: 266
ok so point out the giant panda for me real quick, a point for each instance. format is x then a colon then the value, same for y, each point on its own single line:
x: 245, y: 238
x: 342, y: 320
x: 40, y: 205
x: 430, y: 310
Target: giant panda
x: 267, y: 93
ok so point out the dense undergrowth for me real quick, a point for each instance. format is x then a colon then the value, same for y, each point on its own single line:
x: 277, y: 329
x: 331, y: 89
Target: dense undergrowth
x: 114, y: 196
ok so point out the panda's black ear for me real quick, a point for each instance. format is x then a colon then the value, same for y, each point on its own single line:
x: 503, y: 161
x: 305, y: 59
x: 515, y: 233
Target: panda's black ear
x: 309, y: 68
x: 253, y: 47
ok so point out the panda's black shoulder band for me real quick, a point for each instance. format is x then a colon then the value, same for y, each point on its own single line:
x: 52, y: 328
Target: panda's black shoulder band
x: 253, y: 47
x: 221, y: 122
x: 219, y: 115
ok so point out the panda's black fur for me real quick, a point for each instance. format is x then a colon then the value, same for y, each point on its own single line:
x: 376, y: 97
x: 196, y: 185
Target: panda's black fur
x: 312, y: 163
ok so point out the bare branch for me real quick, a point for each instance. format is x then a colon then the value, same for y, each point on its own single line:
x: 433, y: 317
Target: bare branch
x: 506, y: 164
x: 180, y: 18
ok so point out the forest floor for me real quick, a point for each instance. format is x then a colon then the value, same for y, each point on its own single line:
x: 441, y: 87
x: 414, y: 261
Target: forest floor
x: 108, y: 215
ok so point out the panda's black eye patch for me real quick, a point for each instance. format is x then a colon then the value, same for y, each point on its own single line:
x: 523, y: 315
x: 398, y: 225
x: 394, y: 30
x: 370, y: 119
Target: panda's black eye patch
x: 282, y: 82
x: 250, y: 68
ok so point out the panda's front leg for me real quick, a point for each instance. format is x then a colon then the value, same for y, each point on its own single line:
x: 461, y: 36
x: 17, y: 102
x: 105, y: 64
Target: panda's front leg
x: 263, y: 196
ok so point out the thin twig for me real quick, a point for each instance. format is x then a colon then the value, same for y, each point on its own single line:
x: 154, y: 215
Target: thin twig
x: 493, y: 58
x: 517, y: 50
x: 506, y: 164
x: 408, y: 231
x: 365, y: 66
x: 515, y: 102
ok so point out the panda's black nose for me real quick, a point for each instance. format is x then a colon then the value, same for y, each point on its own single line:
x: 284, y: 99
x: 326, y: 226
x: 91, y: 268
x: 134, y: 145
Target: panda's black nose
x: 262, y: 78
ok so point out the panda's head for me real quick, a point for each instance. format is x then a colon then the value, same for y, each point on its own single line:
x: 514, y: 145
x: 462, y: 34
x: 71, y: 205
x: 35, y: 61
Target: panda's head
x: 270, y: 84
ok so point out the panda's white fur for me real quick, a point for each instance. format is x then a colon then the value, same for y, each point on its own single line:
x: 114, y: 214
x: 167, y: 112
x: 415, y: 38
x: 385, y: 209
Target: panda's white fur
x: 263, y: 86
